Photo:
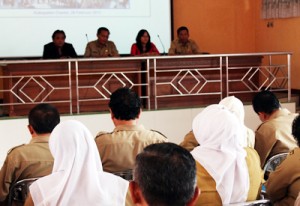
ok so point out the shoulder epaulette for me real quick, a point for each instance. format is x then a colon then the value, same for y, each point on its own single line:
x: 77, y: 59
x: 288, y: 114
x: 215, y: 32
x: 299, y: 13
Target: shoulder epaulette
x: 102, y: 133
x: 11, y: 149
x: 159, y: 133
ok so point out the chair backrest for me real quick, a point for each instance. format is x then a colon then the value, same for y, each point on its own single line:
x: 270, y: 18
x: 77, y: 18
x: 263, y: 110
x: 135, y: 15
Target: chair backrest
x: 127, y: 175
x: 264, y: 202
x: 273, y: 162
x: 18, y: 191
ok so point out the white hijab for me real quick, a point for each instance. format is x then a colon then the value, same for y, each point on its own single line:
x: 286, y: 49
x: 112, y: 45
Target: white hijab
x: 77, y: 177
x: 218, y: 131
x: 237, y: 108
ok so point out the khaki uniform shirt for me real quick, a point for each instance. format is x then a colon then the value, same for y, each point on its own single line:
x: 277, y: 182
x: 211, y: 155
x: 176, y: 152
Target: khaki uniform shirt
x: 25, y: 161
x: 209, y: 195
x: 274, y: 136
x: 95, y: 49
x: 189, y: 142
x: 119, y: 148
x: 178, y: 48
x: 283, y: 185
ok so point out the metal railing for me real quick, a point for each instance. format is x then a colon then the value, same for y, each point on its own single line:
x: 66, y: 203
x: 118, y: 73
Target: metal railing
x: 77, y: 84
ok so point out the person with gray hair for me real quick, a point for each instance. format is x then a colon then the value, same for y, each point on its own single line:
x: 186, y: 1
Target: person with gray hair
x: 165, y: 175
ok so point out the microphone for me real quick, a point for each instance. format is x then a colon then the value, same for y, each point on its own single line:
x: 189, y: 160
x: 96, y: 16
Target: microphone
x: 164, y: 51
x: 87, y: 38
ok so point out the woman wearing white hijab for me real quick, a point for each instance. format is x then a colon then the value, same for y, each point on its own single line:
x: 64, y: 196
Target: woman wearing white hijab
x: 77, y: 177
x: 237, y: 108
x: 221, y: 166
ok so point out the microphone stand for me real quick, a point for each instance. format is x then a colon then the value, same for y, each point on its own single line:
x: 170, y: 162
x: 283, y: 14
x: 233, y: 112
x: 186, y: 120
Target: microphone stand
x: 164, y: 51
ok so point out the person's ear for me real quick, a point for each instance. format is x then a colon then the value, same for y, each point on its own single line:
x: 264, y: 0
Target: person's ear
x: 263, y: 116
x: 111, y: 114
x: 31, y: 130
x: 136, y: 194
x: 195, y: 197
x: 138, y: 116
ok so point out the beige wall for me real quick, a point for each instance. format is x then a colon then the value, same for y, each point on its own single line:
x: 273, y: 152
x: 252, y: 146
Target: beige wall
x: 218, y: 26
x: 283, y: 36
x: 172, y: 123
x: 235, y: 26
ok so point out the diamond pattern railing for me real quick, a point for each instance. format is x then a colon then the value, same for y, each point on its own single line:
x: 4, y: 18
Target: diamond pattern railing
x: 95, y: 86
x: 24, y: 88
x: 184, y: 81
x: 74, y: 85
x: 274, y: 77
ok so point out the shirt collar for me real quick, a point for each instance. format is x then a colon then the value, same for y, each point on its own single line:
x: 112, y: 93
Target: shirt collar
x: 128, y: 128
x: 40, y: 139
x: 101, y: 45
x: 280, y: 112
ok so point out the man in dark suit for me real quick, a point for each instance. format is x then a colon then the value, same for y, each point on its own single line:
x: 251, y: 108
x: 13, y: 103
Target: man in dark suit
x: 58, y: 48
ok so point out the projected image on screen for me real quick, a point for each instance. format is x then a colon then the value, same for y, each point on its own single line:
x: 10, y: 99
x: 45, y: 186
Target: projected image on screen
x: 64, y: 4
x: 27, y: 25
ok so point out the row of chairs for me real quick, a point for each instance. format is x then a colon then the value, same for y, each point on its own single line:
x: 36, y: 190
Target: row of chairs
x: 20, y: 189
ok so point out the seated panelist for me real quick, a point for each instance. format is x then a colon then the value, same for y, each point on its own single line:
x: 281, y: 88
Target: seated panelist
x: 101, y: 47
x: 143, y: 45
x: 58, y: 48
x: 183, y: 45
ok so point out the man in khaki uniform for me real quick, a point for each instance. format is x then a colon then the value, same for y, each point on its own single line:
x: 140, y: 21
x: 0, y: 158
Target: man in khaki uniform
x: 101, y: 47
x: 274, y: 135
x: 119, y: 148
x: 183, y: 45
x: 283, y: 185
x: 33, y: 159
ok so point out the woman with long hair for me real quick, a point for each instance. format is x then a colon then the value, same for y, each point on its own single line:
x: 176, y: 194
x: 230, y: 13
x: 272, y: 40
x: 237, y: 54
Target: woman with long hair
x: 143, y: 45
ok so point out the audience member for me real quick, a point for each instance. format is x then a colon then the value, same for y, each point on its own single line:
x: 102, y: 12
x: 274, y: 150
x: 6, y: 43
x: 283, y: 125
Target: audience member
x: 237, y: 108
x: 164, y: 174
x: 226, y: 172
x: 183, y: 45
x: 101, y: 47
x: 119, y: 148
x: 77, y: 177
x: 33, y: 159
x: 58, y: 48
x: 283, y: 185
x: 274, y: 135
x: 143, y: 45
